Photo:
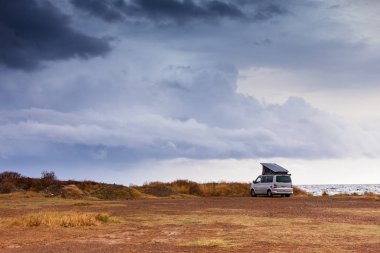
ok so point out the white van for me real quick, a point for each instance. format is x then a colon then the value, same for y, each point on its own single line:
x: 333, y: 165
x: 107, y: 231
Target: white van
x: 272, y: 185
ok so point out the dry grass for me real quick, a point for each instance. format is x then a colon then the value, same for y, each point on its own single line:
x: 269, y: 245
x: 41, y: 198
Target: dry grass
x: 21, y: 195
x: 159, y: 189
x: 300, y: 193
x: 186, y: 188
x: 72, y: 191
x: 225, y: 189
x: 62, y: 219
x: 210, y: 242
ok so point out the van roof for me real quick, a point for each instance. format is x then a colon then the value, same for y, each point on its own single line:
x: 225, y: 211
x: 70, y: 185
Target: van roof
x: 274, y: 167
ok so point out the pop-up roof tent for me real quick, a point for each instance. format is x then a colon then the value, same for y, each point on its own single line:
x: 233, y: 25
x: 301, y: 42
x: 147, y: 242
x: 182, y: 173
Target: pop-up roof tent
x: 273, y: 169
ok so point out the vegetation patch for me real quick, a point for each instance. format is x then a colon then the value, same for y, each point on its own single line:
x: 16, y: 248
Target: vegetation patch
x: 110, y: 192
x: 7, y: 187
x: 63, y: 219
x: 72, y: 192
x: 210, y: 242
x: 300, y: 193
x: 50, y: 186
x: 159, y: 189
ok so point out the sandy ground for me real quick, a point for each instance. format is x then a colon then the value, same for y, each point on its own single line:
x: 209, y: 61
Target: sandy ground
x: 200, y: 225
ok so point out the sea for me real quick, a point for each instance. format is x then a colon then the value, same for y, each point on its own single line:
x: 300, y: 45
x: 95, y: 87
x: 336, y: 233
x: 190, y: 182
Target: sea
x: 333, y: 189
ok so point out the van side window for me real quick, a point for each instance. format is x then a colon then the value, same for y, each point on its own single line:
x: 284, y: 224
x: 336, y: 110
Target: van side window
x: 269, y: 179
x: 283, y: 179
x: 265, y: 179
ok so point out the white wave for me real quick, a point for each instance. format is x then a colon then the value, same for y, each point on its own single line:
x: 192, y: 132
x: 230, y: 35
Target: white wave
x: 333, y: 189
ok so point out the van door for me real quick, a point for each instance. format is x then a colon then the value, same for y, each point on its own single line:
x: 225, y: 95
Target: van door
x: 266, y: 184
x: 257, y: 185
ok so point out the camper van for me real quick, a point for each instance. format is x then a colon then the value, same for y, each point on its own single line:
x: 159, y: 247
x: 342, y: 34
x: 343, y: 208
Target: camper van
x: 274, y: 180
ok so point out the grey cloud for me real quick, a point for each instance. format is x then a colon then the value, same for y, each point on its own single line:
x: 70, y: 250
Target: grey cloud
x: 107, y: 10
x: 35, y: 31
x: 169, y: 93
x: 179, y: 12
x: 269, y: 11
x: 204, y: 119
x: 309, y: 134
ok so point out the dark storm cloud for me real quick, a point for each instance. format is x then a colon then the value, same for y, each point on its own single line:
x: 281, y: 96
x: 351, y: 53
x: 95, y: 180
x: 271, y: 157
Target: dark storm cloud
x: 269, y: 11
x: 107, y: 10
x: 35, y: 31
x: 175, y: 93
x: 177, y: 11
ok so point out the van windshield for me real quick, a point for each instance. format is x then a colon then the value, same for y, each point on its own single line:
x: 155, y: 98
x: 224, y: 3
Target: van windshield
x: 283, y: 179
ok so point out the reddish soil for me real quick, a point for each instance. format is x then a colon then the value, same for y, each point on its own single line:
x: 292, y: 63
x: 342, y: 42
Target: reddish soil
x: 176, y: 225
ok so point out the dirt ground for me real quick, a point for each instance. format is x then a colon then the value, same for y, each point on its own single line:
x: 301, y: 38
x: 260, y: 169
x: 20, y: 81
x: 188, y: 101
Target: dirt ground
x: 310, y: 224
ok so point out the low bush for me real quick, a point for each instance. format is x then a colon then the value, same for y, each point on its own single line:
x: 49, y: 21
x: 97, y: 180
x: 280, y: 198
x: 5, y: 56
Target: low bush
x: 110, y: 192
x: 71, y: 192
x: 224, y: 189
x: 10, y: 176
x: 186, y: 187
x: 192, y: 188
x: 53, y: 190
x: 7, y: 187
x: 159, y: 189
x: 48, y: 178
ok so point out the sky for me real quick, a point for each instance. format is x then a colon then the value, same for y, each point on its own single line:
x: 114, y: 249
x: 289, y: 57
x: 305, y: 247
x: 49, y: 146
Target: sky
x: 132, y: 91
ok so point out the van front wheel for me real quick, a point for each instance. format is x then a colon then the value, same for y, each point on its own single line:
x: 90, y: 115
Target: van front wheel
x: 253, y: 193
x: 269, y: 193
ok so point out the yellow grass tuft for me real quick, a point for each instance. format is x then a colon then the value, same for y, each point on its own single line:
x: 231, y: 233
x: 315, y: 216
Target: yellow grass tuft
x: 63, y: 219
x: 207, y: 242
